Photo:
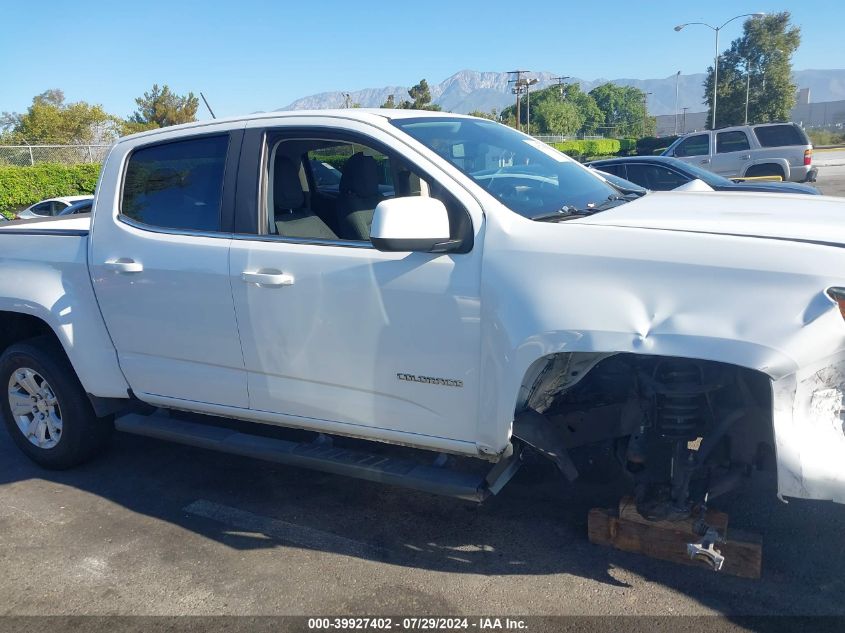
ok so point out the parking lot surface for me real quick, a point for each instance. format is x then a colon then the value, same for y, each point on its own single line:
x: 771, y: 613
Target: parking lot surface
x: 154, y: 528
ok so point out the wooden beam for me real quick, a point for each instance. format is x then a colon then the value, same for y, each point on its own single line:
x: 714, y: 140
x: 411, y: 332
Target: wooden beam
x: 668, y: 541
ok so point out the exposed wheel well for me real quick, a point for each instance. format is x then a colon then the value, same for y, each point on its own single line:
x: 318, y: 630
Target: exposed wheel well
x: 16, y: 327
x: 766, y: 169
x: 647, y: 413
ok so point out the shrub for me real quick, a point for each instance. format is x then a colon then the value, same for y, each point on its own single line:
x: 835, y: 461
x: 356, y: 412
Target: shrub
x: 627, y: 146
x: 650, y: 145
x: 825, y: 137
x: 23, y: 186
x: 588, y: 147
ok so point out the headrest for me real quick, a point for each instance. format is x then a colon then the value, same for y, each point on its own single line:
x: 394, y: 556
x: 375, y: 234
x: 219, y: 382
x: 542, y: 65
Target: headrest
x: 360, y: 176
x: 287, y: 189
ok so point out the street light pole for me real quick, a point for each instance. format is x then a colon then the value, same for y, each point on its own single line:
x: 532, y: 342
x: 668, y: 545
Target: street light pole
x: 528, y: 85
x: 677, y: 79
x: 716, y: 57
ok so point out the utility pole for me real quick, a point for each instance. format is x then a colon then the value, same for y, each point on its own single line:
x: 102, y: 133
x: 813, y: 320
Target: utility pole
x: 684, y: 124
x: 645, y: 111
x: 559, y: 81
x: 519, y: 85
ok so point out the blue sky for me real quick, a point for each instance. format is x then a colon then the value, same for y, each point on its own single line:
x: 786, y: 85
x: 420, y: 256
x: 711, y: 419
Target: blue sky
x: 248, y: 55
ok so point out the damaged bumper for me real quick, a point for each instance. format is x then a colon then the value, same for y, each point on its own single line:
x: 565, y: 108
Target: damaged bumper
x: 809, y: 431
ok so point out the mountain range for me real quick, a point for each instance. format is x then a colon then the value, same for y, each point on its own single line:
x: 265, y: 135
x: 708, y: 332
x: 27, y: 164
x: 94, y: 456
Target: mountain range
x: 470, y: 90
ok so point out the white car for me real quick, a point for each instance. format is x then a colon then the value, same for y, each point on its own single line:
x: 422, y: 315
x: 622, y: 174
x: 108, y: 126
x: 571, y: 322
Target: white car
x: 50, y: 207
x: 504, y: 298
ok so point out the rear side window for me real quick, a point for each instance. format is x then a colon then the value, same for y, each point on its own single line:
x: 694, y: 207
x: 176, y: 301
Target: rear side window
x: 736, y: 141
x: 780, y: 135
x: 698, y: 145
x: 655, y: 177
x: 177, y: 185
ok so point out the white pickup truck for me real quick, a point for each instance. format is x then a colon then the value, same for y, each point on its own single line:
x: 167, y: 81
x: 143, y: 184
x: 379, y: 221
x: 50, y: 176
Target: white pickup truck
x: 459, y: 290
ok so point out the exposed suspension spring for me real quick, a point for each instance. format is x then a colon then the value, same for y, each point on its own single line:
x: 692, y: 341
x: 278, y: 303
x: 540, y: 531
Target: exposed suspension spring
x: 681, y: 405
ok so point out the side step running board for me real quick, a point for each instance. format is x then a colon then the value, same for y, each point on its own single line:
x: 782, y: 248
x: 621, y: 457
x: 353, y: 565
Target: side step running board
x: 326, y: 458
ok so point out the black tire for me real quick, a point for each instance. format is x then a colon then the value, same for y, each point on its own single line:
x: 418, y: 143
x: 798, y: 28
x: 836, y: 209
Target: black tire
x: 83, y: 434
x: 765, y: 170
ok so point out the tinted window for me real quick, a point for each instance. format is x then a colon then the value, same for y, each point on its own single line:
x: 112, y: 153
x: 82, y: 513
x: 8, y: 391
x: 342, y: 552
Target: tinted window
x: 654, y: 177
x: 698, y: 145
x: 780, y: 135
x: 616, y: 170
x: 735, y: 141
x: 45, y: 208
x: 177, y: 185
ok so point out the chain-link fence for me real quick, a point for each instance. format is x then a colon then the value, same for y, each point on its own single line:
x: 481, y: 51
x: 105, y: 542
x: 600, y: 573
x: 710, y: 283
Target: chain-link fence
x: 23, y: 155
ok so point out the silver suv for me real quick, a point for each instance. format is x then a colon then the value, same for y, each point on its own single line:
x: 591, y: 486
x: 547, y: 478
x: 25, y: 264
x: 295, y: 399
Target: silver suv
x: 745, y: 151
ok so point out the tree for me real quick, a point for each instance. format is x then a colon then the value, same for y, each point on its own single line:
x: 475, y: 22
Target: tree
x: 624, y: 109
x: 421, y: 95
x: 492, y: 115
x: 390, y: 103
x: 559, y: 109
x: 759, y: 60
x: 160, y: 108
x: 49, y: 120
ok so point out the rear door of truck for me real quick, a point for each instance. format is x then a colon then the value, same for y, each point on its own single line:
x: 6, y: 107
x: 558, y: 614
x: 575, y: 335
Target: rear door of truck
x: 159, y: 262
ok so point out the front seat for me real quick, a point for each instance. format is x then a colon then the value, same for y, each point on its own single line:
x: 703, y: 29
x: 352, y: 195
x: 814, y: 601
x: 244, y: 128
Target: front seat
x: 293, y: 218
x: 359, y: 196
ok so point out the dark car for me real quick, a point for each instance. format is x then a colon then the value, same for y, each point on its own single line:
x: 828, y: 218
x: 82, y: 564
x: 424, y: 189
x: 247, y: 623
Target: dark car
x: 663, y: 173
x: 83, y: 206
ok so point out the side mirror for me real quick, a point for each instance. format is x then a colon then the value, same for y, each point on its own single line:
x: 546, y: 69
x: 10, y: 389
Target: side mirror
x: 412, y: 224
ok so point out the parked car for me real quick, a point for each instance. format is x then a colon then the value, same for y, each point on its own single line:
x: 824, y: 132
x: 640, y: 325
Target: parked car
x: 50, y: 207
x: 505, y: 299
x: 768, y: 149
x: 662, y: 173
x: 625, y: 186
x: 83, y: 206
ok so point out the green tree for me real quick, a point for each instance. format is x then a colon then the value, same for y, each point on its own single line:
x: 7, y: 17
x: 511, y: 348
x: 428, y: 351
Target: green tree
x: 390, y: 103
x: 762, y: 55
x: 624, y: 110
x: 559, y: 109
x: 160, y: 108
x: 421, y: 95
x: 49, y: 120
x: 492, y: 115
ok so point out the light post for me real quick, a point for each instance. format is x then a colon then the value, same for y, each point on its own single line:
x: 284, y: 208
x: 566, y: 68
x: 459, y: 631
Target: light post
x: 528, y: 104
x: 677, y: 79
x: 716, y: 60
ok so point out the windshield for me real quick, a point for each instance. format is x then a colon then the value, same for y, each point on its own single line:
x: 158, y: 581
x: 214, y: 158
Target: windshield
x: 714, y: 180
x: 525, y: 174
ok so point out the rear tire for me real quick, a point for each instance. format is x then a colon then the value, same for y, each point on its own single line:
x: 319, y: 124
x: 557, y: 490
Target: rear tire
x: 765, y: 170
x: 53, y: 421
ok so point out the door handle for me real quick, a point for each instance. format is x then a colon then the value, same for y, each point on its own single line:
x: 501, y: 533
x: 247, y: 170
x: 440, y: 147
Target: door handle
x: 745, y: 157
x: 705, y: 161
x: 273, y: 278
x: 125, y: 265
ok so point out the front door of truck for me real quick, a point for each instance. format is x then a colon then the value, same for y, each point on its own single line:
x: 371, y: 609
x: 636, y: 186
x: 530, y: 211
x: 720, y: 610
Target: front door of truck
x: 336, y: 333
x: 160, y: 266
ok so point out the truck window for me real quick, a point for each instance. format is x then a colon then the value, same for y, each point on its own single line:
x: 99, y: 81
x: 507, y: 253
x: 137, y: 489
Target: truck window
x: 176, y: 185
x: 735, y: 141
x: 698, y: 145
x: 780, y: 135
x: 328, y: 190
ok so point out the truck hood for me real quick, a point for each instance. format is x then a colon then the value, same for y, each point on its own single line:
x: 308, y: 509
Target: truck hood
x: 818, y: 219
